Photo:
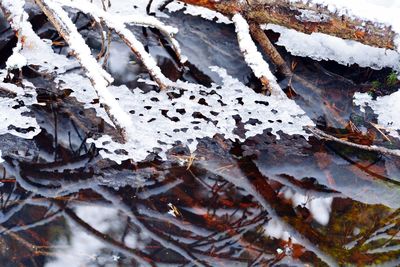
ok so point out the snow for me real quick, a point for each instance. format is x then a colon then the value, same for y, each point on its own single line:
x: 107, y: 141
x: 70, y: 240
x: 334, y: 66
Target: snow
x: 377, y: 11
x: 83, y: 91
x: 386, y: 107
x: 216, y: 106
x: 319, y: 46
x: 252, y: 56
x: 35, y: 50
x: 117, y: 22
x: 139, y: 115
x: 98, y: 76
x: 198, y: 11
x: 14, y: 117
x: 16, y: 60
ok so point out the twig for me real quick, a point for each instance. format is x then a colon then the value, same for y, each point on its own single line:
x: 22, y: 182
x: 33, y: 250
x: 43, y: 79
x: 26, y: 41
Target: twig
x: 167, y: 31
x: 322, y: 135
x: 116, y: 24
x: 260, y: 36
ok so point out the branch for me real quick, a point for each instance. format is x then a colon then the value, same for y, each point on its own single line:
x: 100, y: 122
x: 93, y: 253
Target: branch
x: 167, y: 31
x: 260, y: 36
x: 254, y: 58
x: 117, y: 24
x: 99, y: 78
x: 308, y: 17
x: 322, y: 135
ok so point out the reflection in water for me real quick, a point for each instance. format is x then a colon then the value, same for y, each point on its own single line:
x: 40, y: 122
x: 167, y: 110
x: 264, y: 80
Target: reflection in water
x: 265, y: 202
x: 220, y: 210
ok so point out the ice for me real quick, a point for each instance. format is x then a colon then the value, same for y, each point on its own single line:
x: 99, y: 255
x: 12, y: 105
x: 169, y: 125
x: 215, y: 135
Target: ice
x: 376, y: 11
x: 15, y: 117
x: 160, y: 121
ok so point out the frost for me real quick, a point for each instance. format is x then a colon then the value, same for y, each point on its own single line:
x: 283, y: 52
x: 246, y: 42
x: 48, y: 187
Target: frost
x: 197, y: 112
x: 386, y: 107
x: 312, y: 16
x: 36, y: 51
x: 319, y: 46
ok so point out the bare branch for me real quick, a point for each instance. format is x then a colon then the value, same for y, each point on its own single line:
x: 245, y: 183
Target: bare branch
x: 322, y: 135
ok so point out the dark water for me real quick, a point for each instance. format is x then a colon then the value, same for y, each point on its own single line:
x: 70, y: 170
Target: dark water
x: 265, y: 202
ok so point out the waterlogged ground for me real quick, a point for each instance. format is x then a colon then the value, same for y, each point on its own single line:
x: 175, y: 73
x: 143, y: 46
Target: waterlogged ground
x: 264, y: 202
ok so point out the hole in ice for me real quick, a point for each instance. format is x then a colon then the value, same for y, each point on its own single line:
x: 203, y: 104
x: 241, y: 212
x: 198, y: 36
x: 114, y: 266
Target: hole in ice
x: 202, y: 101
x: 240, y: 100
x: 181, y: 111
x: 265, y: 103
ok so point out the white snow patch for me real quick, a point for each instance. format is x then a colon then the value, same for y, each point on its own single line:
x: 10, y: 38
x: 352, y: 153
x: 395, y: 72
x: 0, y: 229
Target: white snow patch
x: 16, y: 60
x: 319, y: 46
x: 35, y: 50
x: 14, y: 115
x: 377, y: 11
x: 199, y: 112
x: 83, y: 91
x: 386, y: 107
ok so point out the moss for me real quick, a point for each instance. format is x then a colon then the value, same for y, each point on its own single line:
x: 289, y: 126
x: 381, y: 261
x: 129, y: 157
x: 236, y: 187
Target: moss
x: 391, y: 79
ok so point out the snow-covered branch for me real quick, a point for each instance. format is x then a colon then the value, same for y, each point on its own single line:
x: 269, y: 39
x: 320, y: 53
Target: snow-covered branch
x: 118, y: 25
x: 98, y: 76
x: 253, y: 57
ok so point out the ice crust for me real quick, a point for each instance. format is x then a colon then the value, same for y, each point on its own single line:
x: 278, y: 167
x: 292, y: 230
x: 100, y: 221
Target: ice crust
x: 198, y: 112
x: 15, y: 115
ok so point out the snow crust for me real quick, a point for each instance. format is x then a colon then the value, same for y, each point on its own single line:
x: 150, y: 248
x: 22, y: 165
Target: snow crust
x: 377, y: 11
x: 198, y: 112
x: 319, y: 46
x: 83, y: 91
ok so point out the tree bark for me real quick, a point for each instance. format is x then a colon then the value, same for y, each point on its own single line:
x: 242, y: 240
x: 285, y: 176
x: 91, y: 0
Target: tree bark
x: 305, y: 17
